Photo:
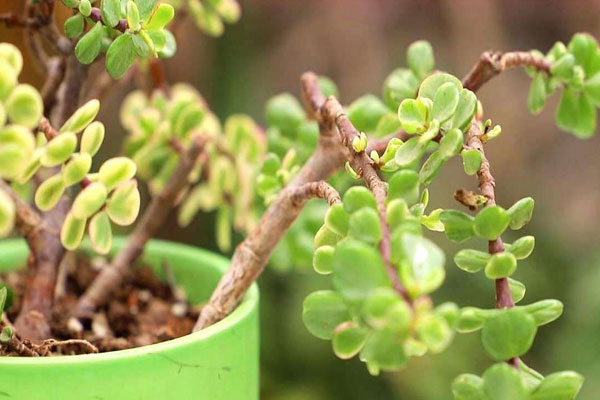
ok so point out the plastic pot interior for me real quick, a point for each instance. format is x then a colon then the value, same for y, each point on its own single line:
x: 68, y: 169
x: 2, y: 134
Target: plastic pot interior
x: 219, y: 362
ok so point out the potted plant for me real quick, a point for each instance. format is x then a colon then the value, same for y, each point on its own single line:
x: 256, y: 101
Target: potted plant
x: 371, y: 240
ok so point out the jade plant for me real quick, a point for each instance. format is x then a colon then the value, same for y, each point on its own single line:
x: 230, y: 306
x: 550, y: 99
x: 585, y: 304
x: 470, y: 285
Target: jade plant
x: 381, y: 153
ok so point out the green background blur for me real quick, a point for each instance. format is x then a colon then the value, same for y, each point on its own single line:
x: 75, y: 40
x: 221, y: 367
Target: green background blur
x: 357, y: 43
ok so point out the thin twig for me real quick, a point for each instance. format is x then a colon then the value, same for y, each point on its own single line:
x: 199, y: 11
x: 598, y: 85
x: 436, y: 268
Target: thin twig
x: 491, y: 63
x: 251, y: 256
x: 360, y: 162
x: 154, y: 216
x: 17, y: 20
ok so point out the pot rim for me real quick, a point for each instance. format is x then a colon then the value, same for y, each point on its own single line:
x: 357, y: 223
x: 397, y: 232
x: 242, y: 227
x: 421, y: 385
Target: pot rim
x: 242, y: 311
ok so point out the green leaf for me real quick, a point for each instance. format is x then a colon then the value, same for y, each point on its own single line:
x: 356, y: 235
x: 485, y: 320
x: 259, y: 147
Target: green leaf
x: 470, y: 260
x: 123, y: 206
x: 562, y: 68
x: 517, y: 290
x: 16, y: 149
x: 458, y: 225
x: 82, y: 117
x: 413, y: 115
x: 100, y: 233
x: 364, y: 225
x: 520, y: 213
x: 404, y: 184
x: 328, y: 87
x: 471, y: 319
x: 116, y: 171
x: 85, y: 7
x: 76, y: 169
x: 358, y: 197
x: 384, y: 308
x: 6, y: 334
x: 585, y: 49
x: 92, y: 138
x: 431, y: 168
x: 522, y: 247
x: 49, y: 192
x: 348, y: 339
x: 383, y: 350
x: 366, y: 111
x: 409, y: 152
x: 433, y: 330
x: 465, y: 111
x: 323, y: 260
x: 325, y: 237
x: 559, y: 386
x: 576, y: 114
x: 544, y: 311
x: 421, y: 262
x: 70, y: 3
x: 591, y: 88
x: 141, y: 47
x: 491, y: 222
x: 399, y: 85
x: 537, y: 93
x: 12, y: 55
x: 508, y: 334
x: 397, y: 212
x: 89, y: 200
x: 286, y: 113
x: 451, y: 144
x: 74, y: 26
x: 468, y: 387
x: 72, y: 231
x: 432, y: 83
x: 163, y: 14
x: 501, y: 265
x: 433, y: 221
x: 24, y: 106
x: 59, y: 149
x: 3, y: 297
x: 445, y: 102
x: 120, y: 56
x: 145, y: 8
x: 111, y: 12
x: 170, y: 47
x: 471, y: 161
x: 88, y: 47
x: 133, y: 16
x: 8, y: 79
x: 322, y: 311
x: 503, y: 382
x: 419, y: 58
x: 7, y: 219
x: 337, y: 219
x: 358, y: 270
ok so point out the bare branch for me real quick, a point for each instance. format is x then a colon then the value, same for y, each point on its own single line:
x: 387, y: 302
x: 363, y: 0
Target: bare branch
x: 252, y: 255
x: 360, y: 162
x: 154, y: 216
x: 492, y: 63
x: 487, y: 186
x: 17, y: 20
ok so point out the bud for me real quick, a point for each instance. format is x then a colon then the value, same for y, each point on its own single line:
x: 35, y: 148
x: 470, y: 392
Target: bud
x: 359, y: 142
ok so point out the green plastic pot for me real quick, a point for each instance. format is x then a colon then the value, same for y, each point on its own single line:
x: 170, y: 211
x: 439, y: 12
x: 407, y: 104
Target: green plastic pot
x: 219, y: 362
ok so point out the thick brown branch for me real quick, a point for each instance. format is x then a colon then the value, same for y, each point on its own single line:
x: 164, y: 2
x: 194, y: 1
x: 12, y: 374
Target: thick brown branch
x: 491, y: 63
x: 360, y: 162
x: 153, y: 218
x: 252, y: 255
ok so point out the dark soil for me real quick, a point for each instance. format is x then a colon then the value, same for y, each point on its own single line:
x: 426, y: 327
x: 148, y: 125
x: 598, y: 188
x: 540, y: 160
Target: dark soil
x: 143, y: 311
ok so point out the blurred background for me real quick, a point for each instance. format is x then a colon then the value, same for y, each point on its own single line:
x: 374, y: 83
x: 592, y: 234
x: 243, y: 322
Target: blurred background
x: 357, y: 43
